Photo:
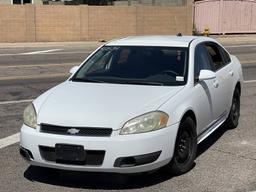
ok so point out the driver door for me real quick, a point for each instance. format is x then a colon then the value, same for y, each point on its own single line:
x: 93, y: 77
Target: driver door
x: 203, y: 90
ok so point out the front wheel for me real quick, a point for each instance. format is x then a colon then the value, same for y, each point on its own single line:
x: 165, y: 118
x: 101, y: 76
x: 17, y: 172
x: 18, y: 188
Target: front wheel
x: 185, y: 148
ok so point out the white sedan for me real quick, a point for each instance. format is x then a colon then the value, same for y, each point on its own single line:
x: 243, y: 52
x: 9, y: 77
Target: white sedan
x: 134, y: 105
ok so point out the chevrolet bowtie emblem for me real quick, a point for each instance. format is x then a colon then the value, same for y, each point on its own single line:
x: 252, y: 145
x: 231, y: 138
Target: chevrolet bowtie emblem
x: 73, y: 131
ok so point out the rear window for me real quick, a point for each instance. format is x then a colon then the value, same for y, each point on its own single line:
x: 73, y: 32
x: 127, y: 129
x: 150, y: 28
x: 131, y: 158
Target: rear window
x: 218, y: 55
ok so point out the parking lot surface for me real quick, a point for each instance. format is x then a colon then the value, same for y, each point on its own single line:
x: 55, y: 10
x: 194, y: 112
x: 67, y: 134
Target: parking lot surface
x: 226, y: 160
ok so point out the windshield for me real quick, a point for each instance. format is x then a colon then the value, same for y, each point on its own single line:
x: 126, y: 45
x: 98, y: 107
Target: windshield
x: 135, y: 65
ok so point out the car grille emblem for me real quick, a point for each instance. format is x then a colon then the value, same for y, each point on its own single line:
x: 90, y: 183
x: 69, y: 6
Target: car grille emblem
x: 73, y: 131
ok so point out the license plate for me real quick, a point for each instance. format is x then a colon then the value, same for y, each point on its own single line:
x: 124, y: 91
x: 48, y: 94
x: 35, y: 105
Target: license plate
x: 65, y: 152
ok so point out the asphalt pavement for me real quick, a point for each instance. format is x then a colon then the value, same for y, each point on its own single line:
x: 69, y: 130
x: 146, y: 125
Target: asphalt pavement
x: 226, y: 160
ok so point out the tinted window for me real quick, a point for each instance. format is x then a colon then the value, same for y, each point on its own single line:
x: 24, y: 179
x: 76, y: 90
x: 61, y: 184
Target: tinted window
x: 201, y: 60
x: 136, y: 65
x: 215, y: 55
x: 225, y: 56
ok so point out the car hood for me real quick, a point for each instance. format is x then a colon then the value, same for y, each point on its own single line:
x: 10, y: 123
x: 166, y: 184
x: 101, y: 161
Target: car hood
x: 78, y: 104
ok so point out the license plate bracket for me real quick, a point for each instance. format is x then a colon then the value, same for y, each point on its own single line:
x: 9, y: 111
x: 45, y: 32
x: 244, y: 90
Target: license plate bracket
x: 72, y: 153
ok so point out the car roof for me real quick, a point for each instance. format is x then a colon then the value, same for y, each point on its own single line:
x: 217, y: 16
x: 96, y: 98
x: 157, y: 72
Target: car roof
x: 156, y: 40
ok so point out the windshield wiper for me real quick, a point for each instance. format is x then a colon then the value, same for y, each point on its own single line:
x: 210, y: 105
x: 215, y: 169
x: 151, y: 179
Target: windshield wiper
x: 86, y: 79
x: 142, y: 83
x: 134, y: 82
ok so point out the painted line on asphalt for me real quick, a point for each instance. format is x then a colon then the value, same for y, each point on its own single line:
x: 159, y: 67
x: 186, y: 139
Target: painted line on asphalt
x: 17, y: 101
x: 248, y: 62
x: 250, y: 81
x: 38, y: 65
x: 12, y: 139
x: 38, y: 52
x: 67, y: 52
x: 240, y: 46
x: 44, y: 76
x: 46, y: 53
x: 32, y: 53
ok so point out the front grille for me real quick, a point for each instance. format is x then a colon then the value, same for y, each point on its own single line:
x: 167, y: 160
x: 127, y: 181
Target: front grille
x: 78, y: 131
x: 93, y: 157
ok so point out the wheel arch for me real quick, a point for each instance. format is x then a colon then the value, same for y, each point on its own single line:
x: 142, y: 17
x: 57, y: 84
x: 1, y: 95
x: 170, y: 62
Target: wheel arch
x: 175, y: 167
x: 189, y: 113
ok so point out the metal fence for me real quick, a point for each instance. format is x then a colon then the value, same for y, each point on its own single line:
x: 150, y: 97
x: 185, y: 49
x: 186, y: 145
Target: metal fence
x: 225, y: 16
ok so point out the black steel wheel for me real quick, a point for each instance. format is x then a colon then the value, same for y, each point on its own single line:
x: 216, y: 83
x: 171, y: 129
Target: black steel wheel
x: 234, y: 114
x: 185, y: 148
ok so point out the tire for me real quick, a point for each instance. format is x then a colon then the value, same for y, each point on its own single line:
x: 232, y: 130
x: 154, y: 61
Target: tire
x: 234, y: 114
x: 185, y: 148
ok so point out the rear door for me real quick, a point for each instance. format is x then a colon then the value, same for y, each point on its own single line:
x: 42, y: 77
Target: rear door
x: 230, y: 77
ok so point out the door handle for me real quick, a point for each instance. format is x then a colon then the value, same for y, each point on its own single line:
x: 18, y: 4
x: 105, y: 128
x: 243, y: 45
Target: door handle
x: 231, y: 72
x: 215, y: 83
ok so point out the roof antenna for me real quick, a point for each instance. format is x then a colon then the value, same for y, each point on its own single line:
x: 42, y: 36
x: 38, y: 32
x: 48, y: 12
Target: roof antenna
x: 179, y: 35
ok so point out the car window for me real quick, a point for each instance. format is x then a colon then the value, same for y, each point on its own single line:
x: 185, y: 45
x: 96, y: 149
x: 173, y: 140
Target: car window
x: 142, y: 64
x: 215, y: 55
x: 100, y: 61
x: 202, y: 60
x: 225, y: 56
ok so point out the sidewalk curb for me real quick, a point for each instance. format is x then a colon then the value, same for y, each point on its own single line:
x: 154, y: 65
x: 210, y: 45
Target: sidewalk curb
x: 223, y: 39
x: 235, y: 39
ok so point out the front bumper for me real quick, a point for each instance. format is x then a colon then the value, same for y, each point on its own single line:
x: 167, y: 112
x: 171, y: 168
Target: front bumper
x: 115, y: 147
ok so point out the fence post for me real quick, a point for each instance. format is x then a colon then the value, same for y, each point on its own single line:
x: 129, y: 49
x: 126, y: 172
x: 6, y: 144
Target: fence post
x: 222, y: 22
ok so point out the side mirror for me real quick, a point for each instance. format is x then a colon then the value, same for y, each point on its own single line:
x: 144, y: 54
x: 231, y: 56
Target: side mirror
x: 206, y: 75
x: 73, y: 69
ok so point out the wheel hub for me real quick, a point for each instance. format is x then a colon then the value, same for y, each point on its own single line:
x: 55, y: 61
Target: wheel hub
x: 183, y: 147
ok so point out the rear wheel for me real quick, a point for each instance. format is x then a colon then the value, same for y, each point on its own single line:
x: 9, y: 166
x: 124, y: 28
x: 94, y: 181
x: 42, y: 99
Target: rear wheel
x: 185, y: 148
x: 234, y: 114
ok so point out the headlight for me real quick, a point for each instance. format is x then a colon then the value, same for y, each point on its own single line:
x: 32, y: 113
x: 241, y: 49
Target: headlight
x: 145, y: 123
x: 29, y: 116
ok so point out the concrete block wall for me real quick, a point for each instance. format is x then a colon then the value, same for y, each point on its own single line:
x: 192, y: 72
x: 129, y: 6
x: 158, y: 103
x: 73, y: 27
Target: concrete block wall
x: 12, y: 23
x: 163, y: 20
x: 84, y: 23
x: 110, y: 22
x: 57, y: 23
x: 30, y: 23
